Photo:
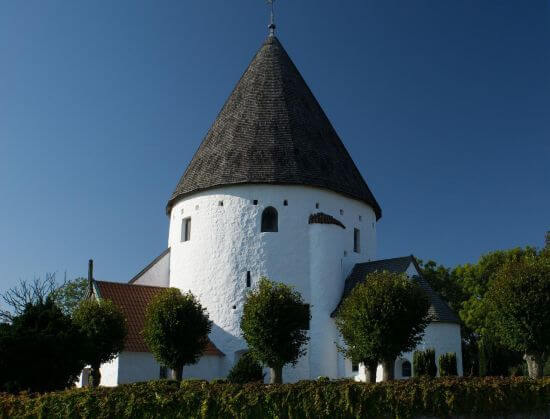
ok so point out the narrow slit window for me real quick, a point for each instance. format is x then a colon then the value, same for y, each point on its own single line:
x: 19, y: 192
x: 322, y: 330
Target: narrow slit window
x: 285, y: 202
x: 356, y: 240
x: 248, y: 279
x: 255, y: 202
x: 220, y: 203
x: 317, y: 205
x: 354, y: 367
x: 186, y: 229
x: 360, y: 218
x: 270, y: 221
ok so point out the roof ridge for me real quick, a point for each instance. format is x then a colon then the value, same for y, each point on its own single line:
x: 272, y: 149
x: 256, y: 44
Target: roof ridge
x: 153, y: 262
x: 128, y: 284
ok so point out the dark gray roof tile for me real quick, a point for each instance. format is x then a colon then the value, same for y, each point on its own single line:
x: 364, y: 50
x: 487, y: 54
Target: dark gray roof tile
x: 272, y: 130
x: 439, y: 310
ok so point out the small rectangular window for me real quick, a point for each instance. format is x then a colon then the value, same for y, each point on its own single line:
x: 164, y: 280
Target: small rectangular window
x: 317, y: 205
x: 356, y: 240
x: 248, y: 279
x: 285, y: 202
x: 354, y: 367
x: 220, y: 203
x: 360, y: 218
x: 186, y: 229
x: 255, y: 202
x: 163, y: 373
x: 341, y: 212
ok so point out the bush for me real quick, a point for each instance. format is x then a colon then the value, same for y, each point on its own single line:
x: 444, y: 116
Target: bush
x: 442, y: 397
x: 424, y: 363
x: 447, y: 365
x: 246, y: 370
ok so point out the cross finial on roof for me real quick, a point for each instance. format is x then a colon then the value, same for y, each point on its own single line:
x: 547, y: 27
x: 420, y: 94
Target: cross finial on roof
x: 272, y: 21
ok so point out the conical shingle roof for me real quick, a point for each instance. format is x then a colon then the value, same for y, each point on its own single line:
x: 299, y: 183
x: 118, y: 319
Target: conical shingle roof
x: 272, y: 130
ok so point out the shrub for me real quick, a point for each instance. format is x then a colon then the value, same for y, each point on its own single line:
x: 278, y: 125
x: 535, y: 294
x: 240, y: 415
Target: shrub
x: 424, y: 363
x: 447, y: 365
x: 442, y: 397
x: 246, y: 370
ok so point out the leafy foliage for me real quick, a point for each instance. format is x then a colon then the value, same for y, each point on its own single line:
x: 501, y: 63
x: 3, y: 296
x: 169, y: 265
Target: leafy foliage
x: 382, y: 317
x: 70, y: 294
x: 274, y: 324
x: 40, y: 351
x: 176, y: 329
x: 446, y: 397
x: 103, y: 327
x: 246, y: 370
x: 424, y: 363
x: 447, y: 365
x: 520, y: 298
x: 465, y: 289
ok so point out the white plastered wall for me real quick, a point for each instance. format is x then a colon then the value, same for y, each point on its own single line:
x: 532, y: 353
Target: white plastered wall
x: 226, y: 242
x: 157, y: 274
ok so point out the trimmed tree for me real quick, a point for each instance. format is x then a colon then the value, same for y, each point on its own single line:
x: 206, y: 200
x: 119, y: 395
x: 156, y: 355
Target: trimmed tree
x: 520, y: 295
x: 176, y: 329
x: 381, y: 318
x: 103, y: 326
x: 274, y: 324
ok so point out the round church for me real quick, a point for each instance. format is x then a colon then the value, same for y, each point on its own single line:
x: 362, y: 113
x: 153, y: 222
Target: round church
x: 271, y: 192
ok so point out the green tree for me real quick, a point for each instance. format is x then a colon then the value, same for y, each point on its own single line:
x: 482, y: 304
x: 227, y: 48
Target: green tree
x: 41, y: 350
x: 176, y: 329
x: 103, y: 327
x: 381, y: 318
x: 274, y: 324
x: 70, y: 294
x: 519, y: 295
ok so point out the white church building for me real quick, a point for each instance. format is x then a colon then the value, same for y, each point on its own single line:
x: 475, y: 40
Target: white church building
x: 273, y: 192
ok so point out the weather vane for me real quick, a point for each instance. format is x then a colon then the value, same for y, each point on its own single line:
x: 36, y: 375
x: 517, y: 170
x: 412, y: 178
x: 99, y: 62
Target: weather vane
x: 272, y: 22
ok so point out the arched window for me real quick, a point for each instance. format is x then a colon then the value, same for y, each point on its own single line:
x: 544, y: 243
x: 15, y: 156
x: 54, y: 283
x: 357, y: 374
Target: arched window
x: 406, y: 369
x: 270, y: 220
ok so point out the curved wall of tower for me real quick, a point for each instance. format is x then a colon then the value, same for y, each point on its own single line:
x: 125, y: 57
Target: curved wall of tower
x: 226, y: 243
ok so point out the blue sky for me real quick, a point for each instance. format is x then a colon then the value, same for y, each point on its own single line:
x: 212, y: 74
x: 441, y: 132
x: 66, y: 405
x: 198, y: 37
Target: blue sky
x: 444, y: 106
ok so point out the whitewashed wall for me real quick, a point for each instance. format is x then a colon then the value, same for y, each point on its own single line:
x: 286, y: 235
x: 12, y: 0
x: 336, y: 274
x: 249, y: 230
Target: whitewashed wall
x: 157, y: 273
x: 141, y: 366
x: 226, y: 242
x: 110, y: 373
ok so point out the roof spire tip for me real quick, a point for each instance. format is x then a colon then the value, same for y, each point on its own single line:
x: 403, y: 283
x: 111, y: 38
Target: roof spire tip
x: 272, y: 26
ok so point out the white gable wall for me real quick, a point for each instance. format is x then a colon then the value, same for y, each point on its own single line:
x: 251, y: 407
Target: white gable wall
x: 157, y: 274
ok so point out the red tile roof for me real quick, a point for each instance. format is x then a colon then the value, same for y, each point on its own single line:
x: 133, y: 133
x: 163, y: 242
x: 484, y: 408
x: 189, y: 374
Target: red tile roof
x: 132, y: 300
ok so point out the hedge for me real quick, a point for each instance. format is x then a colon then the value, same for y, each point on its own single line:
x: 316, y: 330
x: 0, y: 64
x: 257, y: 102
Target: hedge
x: 443, y: 397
